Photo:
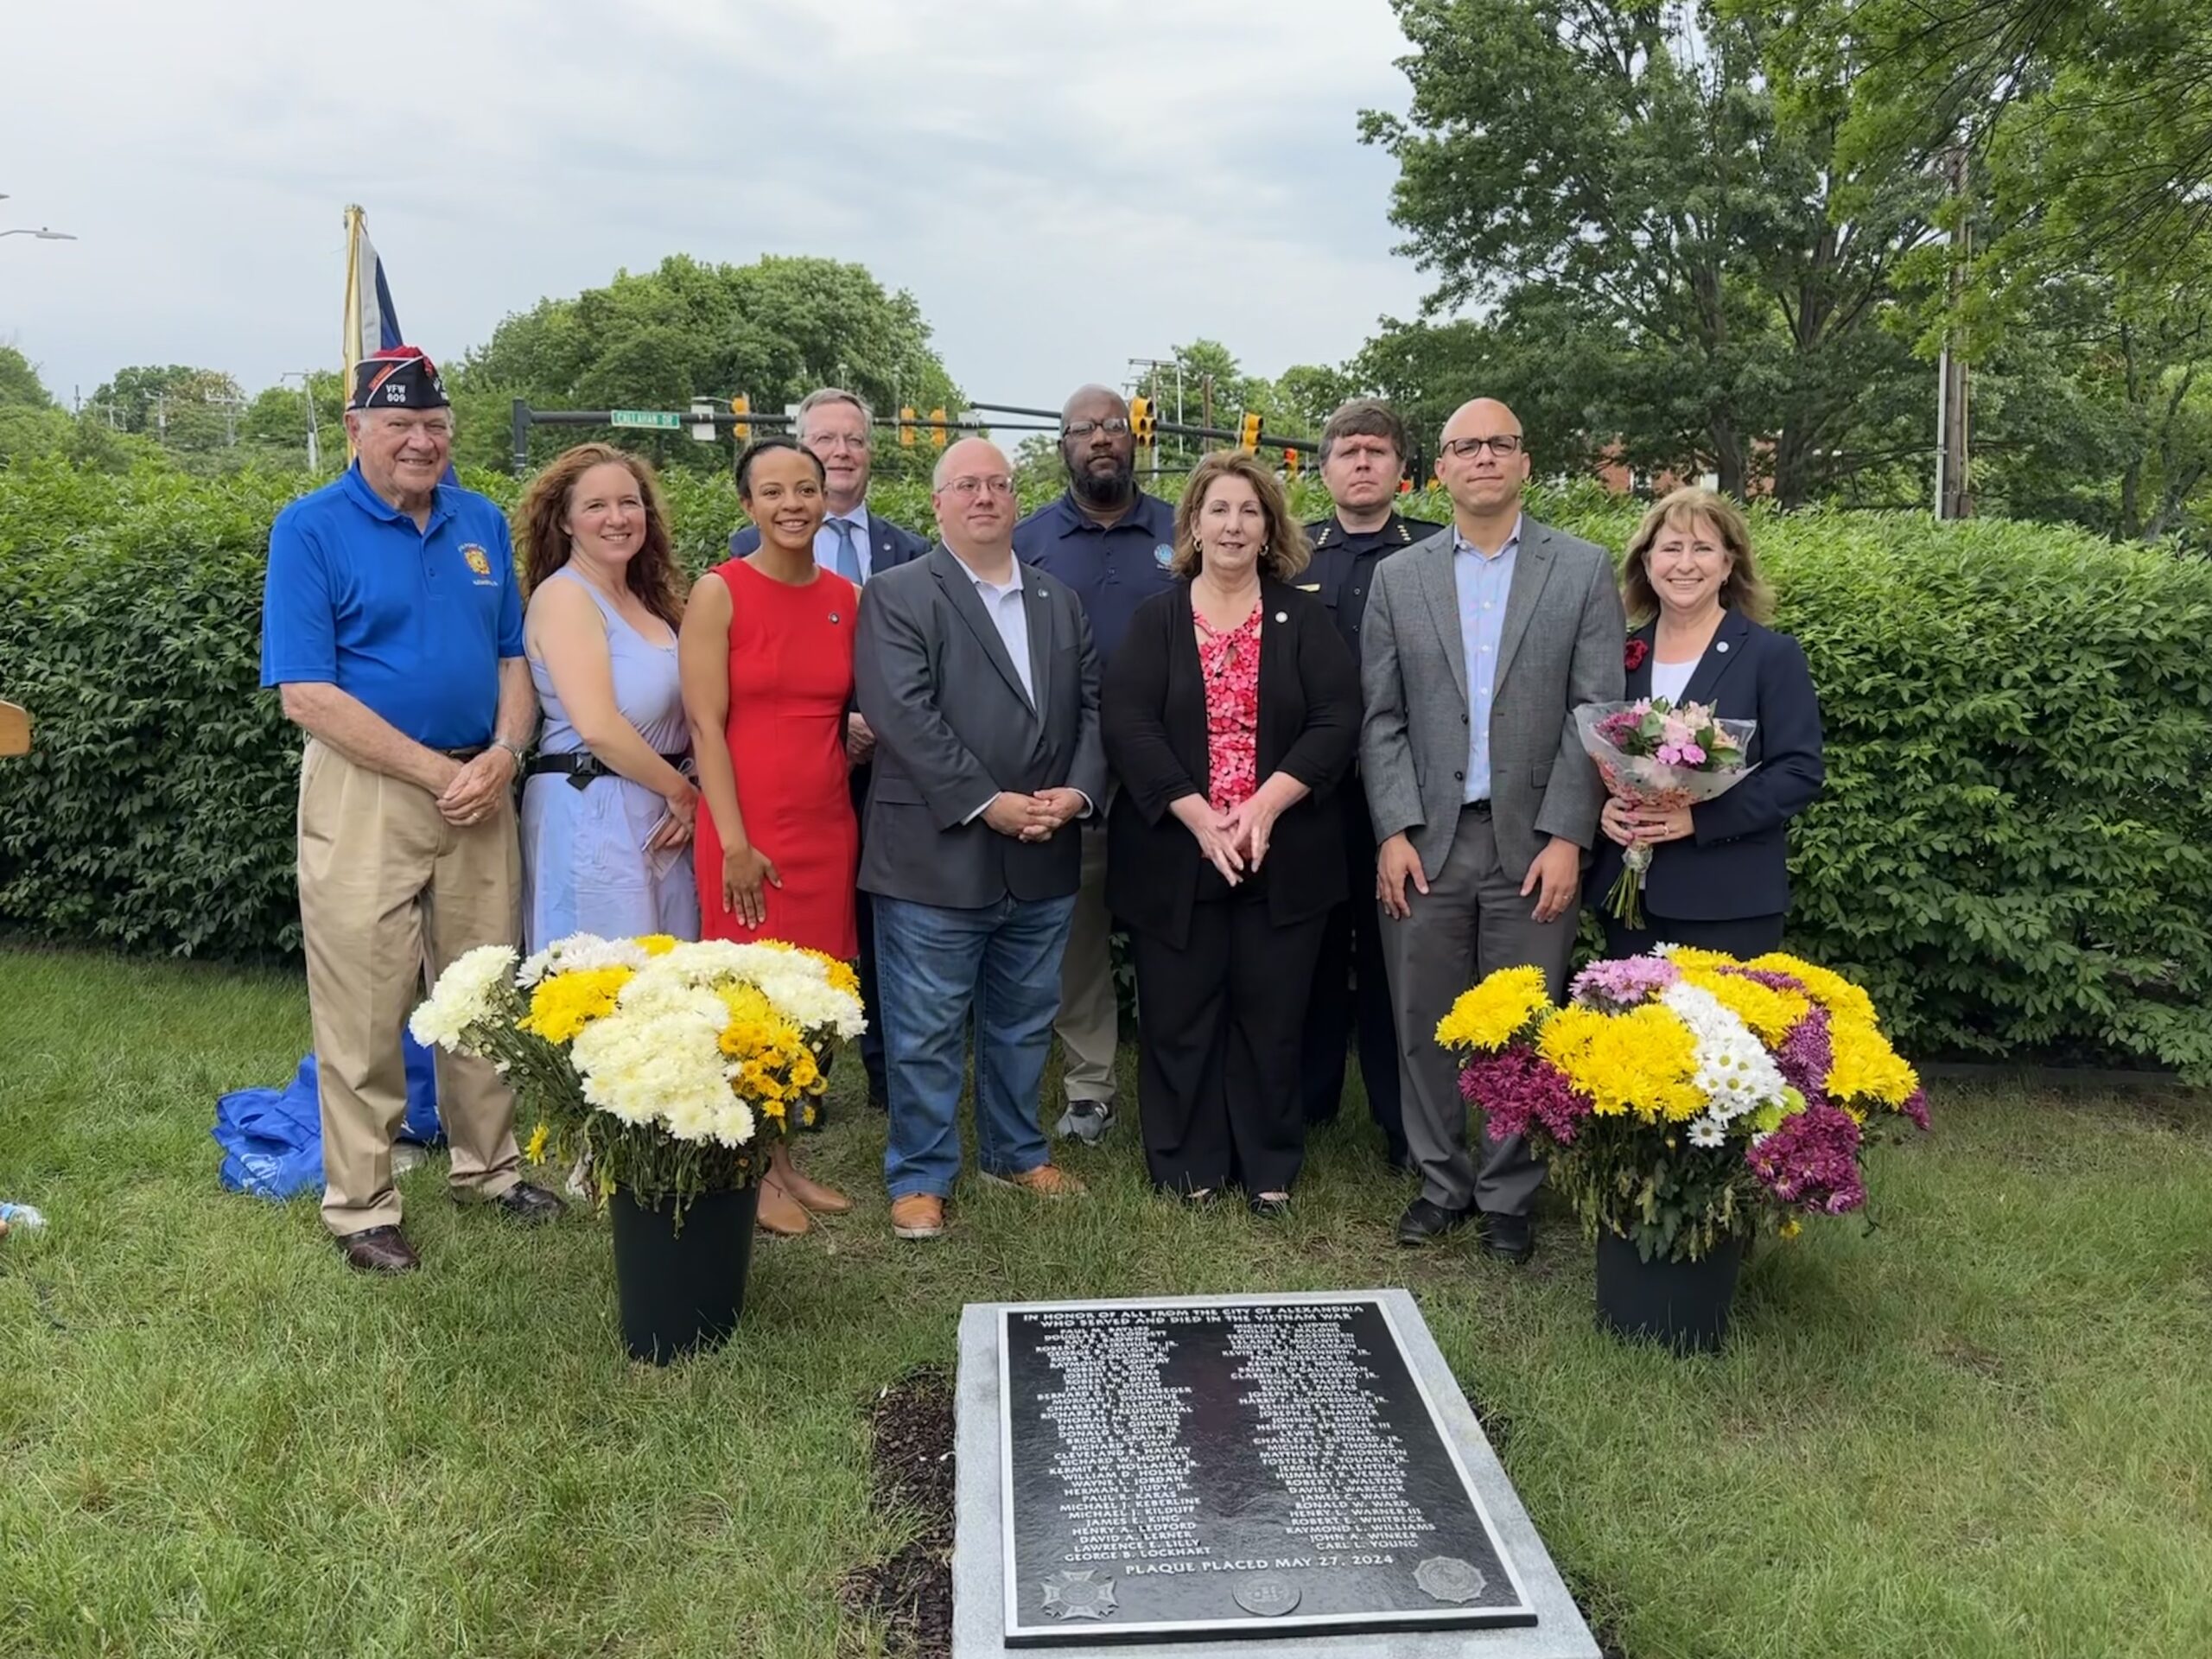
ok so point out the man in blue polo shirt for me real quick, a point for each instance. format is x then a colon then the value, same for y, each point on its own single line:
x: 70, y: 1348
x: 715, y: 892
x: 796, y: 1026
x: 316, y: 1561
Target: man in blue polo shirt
x: 391, y: 624
x: 1112, y: 544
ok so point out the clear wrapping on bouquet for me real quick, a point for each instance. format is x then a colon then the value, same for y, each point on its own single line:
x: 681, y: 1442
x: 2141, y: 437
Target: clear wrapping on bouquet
x: 1655, y: 755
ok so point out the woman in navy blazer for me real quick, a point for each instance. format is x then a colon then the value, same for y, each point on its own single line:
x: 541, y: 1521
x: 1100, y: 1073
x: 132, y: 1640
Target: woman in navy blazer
x: 1230, y: 714
x: 1719, y: 874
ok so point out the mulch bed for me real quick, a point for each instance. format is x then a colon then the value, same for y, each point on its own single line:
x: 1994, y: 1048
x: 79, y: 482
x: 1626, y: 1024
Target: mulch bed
x: 909, y: 1593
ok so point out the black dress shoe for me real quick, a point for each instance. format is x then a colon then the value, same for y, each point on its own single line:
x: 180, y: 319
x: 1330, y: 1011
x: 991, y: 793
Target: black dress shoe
x: 1510, y: 1238
x: 379, y: 1249
x: 1269, y: 1208
x: 524, y: 1201
x: 1424, y: 1223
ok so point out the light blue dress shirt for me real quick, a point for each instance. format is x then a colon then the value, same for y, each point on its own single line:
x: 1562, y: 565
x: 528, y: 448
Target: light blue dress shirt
x: 1484, y: 581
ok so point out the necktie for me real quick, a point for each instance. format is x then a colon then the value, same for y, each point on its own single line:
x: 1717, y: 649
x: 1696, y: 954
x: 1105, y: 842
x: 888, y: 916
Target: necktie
x: 846, y: 560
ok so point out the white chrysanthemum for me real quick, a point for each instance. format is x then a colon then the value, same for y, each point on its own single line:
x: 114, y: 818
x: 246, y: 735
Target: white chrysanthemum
x: 1734, y: 1072
x: 579, y: 950
x: 1707, y: 1131
x: 466, y: 995
x: 644, y: 1068
x: 813, y: 1004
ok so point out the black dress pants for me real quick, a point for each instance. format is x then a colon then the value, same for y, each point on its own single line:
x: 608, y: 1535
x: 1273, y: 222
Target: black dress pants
x: 1218, y: 1084
x: 1351, y: 955
x: 864, y: 917
x: 1743, y: 936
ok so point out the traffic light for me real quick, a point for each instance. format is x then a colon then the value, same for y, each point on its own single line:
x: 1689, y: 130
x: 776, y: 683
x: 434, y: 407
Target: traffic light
x: 936, y: 427
x: 1290, y: 463
x: 1144, y: 425
x: 906, y: 425
x: 741, y: 406
x: 1249, y: 431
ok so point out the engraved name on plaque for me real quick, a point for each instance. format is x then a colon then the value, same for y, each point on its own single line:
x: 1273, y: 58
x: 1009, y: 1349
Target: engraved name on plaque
x: 1232, y: 1468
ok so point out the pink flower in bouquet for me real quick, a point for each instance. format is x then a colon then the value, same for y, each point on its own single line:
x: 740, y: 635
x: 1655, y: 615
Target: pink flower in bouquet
x: 1622, y: 982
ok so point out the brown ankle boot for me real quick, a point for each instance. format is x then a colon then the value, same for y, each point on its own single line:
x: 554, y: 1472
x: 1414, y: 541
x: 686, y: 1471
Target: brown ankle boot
x: 780, y: 1212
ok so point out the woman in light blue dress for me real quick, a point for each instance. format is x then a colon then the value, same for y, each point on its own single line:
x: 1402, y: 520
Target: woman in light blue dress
x: 608, y: 806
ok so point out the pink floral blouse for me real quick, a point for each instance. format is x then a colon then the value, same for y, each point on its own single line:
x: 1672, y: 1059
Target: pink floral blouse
x: 1231, y: 663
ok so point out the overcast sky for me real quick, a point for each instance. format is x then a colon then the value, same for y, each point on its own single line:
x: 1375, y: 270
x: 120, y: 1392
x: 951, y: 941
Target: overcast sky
x: 1062, y: 184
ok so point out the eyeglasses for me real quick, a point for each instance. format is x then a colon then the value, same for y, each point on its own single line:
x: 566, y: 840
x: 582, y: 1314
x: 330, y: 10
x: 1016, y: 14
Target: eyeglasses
x: 969, y: 488
x: 1503, y: 445
x: 1113, y: 428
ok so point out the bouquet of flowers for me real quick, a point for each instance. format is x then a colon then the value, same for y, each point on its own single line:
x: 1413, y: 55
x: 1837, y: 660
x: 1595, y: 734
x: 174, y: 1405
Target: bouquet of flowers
x: 1653, y: 754
x: 1684, y: 1097
x: 659, y: 1066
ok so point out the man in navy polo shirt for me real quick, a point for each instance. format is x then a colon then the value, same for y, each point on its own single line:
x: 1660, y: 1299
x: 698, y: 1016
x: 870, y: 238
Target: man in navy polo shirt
x: 391, y: 624
x: 1112, y: 544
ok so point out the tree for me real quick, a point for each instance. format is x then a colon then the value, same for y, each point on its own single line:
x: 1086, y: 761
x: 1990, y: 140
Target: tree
x: 20, y: 386
x: 1659, y: 187
x: 1306, y: 394
x: 276, y: 422
x: 181, y: 408
x: 773, y: 330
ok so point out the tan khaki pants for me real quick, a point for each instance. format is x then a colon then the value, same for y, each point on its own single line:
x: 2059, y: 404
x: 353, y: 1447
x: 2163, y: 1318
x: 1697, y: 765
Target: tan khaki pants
x: 388, y: 889
x: 1089, y: 1023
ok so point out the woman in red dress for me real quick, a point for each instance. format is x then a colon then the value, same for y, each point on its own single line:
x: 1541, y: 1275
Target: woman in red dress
x: 766, y: 655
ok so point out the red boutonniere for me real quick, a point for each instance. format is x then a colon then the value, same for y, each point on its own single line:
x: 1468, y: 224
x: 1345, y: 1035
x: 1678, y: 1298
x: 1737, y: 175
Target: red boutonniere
x: 1638, y: 650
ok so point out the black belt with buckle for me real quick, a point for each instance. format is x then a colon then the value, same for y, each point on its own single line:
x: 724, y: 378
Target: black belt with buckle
x: 580, y: 767
x: 465, y: 755
x: 1481, y: 806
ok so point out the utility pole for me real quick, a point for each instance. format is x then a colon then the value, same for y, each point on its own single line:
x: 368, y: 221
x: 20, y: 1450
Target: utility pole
x: 306, y: 377
x: 1954, y: 479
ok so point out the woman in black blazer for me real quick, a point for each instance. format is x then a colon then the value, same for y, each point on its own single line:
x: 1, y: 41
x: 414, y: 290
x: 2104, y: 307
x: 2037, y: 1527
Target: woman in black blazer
x: 1719, y: 875
x: 1229, y: 713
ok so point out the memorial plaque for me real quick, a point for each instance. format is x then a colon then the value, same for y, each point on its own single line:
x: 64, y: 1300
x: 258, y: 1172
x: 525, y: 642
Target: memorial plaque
x: 1237, y: 1469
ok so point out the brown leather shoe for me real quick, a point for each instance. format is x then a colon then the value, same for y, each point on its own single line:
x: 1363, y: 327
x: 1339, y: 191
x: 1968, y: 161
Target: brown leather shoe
x: 918, y: 1214
x: 822, y: 1200
x: 1046, y: 1181
x: 780, y: 1213
x: 379, y: 1249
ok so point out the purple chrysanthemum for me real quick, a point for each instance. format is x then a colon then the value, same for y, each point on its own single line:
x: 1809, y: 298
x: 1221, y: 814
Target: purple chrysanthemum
x: 1916, y: 1107
x: 1806, y: 1056
x: 1518, y: 1092
x: 1622, y: 982
x: 1811, y: 1161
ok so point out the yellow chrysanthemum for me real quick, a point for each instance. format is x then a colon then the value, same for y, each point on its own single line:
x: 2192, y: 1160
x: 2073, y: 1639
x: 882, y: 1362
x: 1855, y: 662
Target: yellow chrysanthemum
x: 1687, y: 956
x: 1487, y: 1017
x: 1832, y: 990
x: 656, y: 944
x: 563, y: 1004
x: 535, y: 1151
x: 1642, y: 1062
x: 1863, y: 1066
x: 1770, y: 1014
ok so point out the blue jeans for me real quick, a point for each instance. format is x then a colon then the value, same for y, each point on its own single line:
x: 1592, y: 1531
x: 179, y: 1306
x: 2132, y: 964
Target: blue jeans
x: 933, y: 965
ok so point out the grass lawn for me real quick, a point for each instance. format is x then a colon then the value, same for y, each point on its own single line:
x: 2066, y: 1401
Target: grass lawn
x: 1985, y: 1429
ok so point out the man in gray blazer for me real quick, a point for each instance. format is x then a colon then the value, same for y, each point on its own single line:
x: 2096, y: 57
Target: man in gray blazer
x: 979, y: 679
x: 1480, y: 642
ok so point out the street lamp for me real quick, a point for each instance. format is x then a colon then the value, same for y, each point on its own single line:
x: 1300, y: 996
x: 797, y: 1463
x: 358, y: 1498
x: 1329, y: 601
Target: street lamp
x: 42, y: 233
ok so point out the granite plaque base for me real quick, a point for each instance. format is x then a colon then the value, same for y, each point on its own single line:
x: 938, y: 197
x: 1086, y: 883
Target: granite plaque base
x: 1295, y: 1474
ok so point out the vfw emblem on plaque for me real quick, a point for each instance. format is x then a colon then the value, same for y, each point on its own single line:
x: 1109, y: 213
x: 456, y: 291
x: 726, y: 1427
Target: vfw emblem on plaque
x: 1079, y: 1593
x: 1449, y: 1579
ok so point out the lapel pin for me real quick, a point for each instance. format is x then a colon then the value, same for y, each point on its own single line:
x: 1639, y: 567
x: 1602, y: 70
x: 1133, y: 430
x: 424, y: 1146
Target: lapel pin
x: 833, y: 617
x: 1282, y: 616
x: 1723, y: 645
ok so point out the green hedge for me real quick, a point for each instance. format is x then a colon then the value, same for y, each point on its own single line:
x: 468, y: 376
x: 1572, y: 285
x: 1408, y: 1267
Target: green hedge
x: 2014, y: 850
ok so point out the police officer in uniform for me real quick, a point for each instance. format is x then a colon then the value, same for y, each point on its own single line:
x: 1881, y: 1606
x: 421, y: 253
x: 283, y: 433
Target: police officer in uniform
x: 1363, y: 456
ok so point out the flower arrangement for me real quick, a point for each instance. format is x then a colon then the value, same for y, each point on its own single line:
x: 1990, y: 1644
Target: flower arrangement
x: 1652, y: 754
x: 1685, y: 1097
x: 660, y: 1065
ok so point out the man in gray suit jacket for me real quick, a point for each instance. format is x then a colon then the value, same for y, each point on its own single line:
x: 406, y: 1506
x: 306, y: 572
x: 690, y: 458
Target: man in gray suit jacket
x: 979, y: 679
x: 1480, y: 642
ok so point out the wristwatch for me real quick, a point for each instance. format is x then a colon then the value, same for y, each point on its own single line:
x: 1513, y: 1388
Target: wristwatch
x: 514, y: 749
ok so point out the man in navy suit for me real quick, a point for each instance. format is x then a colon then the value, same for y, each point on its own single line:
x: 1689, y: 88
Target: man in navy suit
x: 838, y: 427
